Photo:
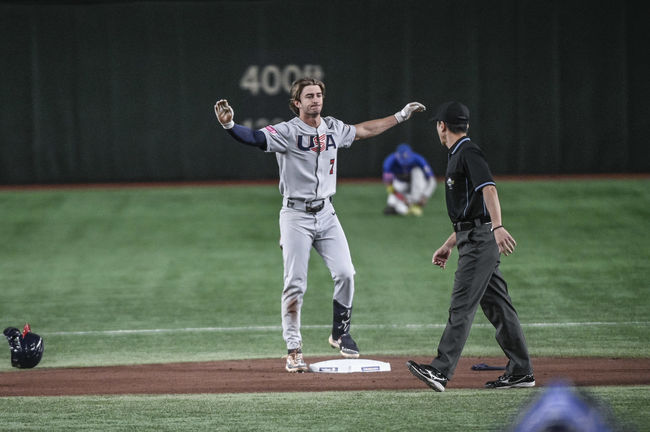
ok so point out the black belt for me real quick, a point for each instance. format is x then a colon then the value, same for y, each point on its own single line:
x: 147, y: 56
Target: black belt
x: 309, y: 206
x: 468, y: 225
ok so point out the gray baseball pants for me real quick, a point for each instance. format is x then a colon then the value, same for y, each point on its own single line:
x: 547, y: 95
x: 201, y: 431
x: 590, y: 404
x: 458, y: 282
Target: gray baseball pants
x: 479, y: 281
x: 299, y: 231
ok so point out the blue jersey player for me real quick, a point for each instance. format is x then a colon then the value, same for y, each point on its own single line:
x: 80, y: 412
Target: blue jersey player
x: 409, y: 180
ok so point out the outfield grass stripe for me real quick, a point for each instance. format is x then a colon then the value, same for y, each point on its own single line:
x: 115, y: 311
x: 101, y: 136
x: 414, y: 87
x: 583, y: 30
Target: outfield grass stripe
x: 324, y: 326
x: 168, y: 330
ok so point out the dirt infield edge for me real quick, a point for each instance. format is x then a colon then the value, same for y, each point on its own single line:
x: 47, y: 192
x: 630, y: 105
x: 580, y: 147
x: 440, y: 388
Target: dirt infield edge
x: 268, y: 375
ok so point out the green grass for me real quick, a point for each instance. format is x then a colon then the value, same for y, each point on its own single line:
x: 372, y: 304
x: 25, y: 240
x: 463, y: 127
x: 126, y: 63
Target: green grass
x: 202, y: 266
x: 208, y: 257
x: 455, y: 410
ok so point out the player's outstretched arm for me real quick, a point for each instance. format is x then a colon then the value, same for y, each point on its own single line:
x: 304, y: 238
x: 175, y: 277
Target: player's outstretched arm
x: 225, y: 114
x: 371, y: 128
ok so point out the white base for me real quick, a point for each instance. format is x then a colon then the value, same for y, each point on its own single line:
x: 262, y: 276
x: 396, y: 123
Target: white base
x: 349, y: 366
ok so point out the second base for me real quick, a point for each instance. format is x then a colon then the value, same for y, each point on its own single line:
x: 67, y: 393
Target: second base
x: 349, y: 366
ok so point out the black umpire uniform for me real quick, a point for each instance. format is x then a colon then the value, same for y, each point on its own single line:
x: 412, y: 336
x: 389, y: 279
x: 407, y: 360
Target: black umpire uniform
x: 477, y: 279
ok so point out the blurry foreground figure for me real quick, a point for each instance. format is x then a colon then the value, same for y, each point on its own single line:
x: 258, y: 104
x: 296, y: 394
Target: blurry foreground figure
x: 560, y: 408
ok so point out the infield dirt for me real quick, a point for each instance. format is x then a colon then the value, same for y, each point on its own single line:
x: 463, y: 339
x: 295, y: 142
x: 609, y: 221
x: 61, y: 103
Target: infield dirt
x: 268, y: 375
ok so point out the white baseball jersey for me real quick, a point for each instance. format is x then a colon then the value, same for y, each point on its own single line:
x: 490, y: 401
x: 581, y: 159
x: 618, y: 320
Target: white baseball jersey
x: 307, y: 155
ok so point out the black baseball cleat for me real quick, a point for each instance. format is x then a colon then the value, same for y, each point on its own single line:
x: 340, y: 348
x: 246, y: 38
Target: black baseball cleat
x: 512, y: 381
x: 346, y: 346
x: 429, y: 375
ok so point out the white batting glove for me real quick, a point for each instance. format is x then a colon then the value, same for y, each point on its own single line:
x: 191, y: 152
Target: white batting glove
x: 409, y: 109
x: 225, y: 113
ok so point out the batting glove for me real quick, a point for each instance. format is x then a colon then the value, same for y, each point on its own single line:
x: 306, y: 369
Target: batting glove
x: 409, y: 109
x: 225, y: 114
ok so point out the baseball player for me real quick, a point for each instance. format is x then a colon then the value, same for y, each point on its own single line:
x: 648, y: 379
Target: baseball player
x: 480, y: 237
x: 306, y: 150
x: 409, y: 181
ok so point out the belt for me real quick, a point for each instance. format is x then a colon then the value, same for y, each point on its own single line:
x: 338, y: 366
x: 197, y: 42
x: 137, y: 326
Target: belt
x: 468, y: 225
x: 308, y: 206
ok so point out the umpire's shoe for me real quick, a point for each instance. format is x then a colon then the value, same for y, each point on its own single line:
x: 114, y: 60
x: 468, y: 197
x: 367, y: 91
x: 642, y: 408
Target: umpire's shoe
x: 511, y: 381
x: 429, y: 375
x: 346, y: 346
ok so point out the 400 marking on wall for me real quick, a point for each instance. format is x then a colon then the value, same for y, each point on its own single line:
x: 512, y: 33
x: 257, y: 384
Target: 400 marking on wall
x: 271, y: 79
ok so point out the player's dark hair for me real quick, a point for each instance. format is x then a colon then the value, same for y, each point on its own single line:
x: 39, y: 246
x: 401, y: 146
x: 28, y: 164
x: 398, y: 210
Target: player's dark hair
x: 297, y: 87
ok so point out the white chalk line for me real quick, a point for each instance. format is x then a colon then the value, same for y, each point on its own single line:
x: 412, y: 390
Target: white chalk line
x: 276, y: 328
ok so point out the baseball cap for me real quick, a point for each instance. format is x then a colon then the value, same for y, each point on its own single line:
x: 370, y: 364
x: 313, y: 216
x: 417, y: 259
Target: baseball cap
x: 451, y: 112
x: 404, y: 154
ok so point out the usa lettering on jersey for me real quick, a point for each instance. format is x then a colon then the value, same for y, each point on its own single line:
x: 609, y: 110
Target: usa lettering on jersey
x: 317, y: 144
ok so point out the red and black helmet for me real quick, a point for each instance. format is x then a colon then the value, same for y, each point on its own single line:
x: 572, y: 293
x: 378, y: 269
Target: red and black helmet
x: 26, y: 347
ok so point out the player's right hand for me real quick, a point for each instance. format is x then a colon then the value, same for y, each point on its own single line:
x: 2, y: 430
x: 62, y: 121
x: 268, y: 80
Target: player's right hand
x: 225, y: 114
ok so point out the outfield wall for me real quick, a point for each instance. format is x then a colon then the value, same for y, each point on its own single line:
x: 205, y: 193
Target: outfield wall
x: 101, y: 91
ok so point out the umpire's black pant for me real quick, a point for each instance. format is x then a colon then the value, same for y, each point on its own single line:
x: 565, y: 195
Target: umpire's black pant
x: 479, y: 281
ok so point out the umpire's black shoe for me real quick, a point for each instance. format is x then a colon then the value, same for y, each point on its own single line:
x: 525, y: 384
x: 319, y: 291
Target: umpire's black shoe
x: 429, y: 375
x: 511, y: 381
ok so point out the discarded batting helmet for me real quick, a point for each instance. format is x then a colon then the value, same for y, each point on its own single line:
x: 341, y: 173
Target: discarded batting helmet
x: 26, y: 347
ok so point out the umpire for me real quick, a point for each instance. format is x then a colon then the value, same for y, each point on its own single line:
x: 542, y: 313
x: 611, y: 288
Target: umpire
x: 475, y: 213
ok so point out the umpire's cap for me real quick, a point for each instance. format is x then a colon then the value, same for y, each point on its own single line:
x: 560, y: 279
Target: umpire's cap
x: 26, y: 347
x: 451, y: 112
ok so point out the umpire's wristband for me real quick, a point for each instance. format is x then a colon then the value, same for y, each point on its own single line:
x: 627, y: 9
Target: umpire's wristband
x: 496, y: 228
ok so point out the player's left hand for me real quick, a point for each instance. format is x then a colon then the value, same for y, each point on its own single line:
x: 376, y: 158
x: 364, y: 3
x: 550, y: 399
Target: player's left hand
x: 408, y: 110
x: 225, y: 113
x: 505, y: 241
